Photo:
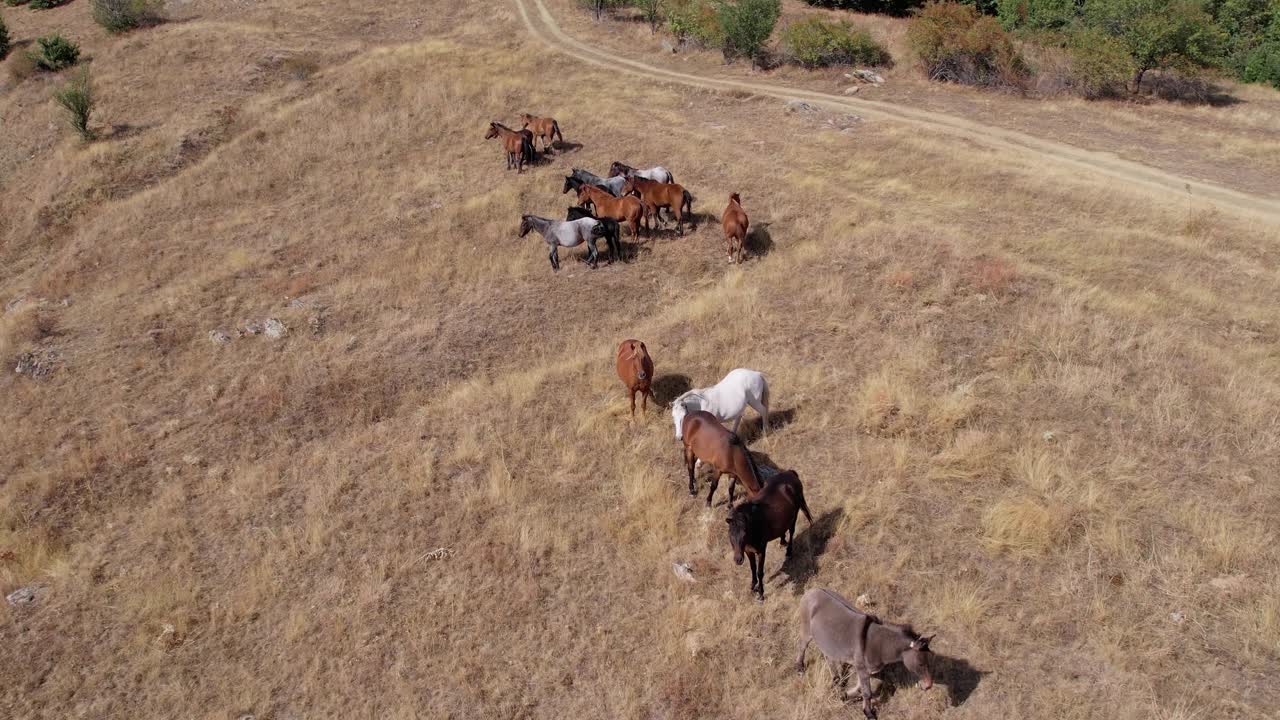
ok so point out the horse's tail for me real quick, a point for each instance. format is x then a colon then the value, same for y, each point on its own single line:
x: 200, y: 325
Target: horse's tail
x: 555, y: 130
x: 804, y: 507
x: 734, y: 439
x: 671, y: 178
x: 526, y: 145
x: 688, y: 202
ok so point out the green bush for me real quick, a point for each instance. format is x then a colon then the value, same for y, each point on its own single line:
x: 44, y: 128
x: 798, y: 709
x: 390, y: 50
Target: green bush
x: 39, y: 4
x: 956, y: 44
x: 814, y: 42
x: 76, y: 97
x: 1100, y: 66
x: 4, y: 40
x: 746, y: 25
x: 1173, y: 34
x: 1262, y: 64
x: 56, y: 53
x: 1037, y: 14
x: 887, y: 7
x: 695, y: 21
x: 118, y: 16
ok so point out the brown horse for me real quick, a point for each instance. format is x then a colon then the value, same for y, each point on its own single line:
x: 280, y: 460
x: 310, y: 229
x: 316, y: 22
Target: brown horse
x: 848, y: 635
x: 635, y: 368
x: 517, y: 143
x: 545, y: 128
x: 707, y: 440
x: 735, y: 225
x: 626, y: 209
x: 656, y: 196
x: 767, y: 516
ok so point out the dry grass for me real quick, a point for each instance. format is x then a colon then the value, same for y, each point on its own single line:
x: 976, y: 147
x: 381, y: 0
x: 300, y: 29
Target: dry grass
x: 436, y: 504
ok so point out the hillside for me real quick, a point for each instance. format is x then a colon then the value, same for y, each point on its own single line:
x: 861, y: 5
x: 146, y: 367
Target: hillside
x: 1034, y: 409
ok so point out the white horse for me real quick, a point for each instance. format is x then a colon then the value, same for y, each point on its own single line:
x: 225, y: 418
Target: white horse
x: 657, y: 173
x: 727, y: 400
x: 565, y: 233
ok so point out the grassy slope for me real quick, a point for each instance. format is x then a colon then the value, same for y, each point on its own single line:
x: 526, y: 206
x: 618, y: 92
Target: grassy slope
x: 927, y: 313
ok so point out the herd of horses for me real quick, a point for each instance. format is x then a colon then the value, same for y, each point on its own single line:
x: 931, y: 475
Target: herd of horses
x: 773, y: 504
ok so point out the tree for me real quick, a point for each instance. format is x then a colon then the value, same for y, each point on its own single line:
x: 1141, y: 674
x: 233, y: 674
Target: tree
x: 652, y: 11
x: 1037, y: 14
x: 1159, y: 33
x: 747, y: 25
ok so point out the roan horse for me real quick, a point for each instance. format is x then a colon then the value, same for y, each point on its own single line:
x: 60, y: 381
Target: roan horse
x: 657, y: 173
x: 612, y: 235
x: 635, y: 369
x: 727, y: 400
x: 568, y: 234
x: 847, y: 635
x: 735, y: 223
x: 545, y: 128
x: 623, y: 209
x: 578, y: 177
x: 518, y: 144
x: 766, y: 516
x: 706, y: 440
x: 656, y: 196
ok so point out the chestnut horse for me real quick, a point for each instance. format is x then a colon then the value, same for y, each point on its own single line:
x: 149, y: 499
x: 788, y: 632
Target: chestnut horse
x: 635, y: 368
x: 707, y: 440
x: 767, y: 516
x: 545, y: 128
x: 735, y: 225
x: 517, y: 143
x: 626, y: 209
x: 656, y: 196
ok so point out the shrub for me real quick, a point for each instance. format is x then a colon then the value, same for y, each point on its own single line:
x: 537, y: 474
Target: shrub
x: 956, y: 44
x: 1037, y: 14
x: 56, y: 53
x: 76, y: 97
x: 1100, y: 66
x: 117, y: 16
x: 746, y: 25
x: 887, y: 7
x: 38, y: 4
x: 1176, y: 34
x: 4, y: 40
x: 695, y: 21
x: 21, y: 66
x: 1262, y: 64
x: 815, y: 42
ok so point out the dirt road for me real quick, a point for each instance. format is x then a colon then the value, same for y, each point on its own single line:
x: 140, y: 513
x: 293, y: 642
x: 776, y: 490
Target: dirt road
x: 545, y: 27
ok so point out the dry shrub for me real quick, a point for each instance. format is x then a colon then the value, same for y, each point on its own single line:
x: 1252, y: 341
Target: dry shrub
x: 902, y: 279
x: 956, y: 44
x: 1024, y: 526
x: 972, y: 455
x: 994, y: 276
x: 887, y: 404
x: 21, y: 66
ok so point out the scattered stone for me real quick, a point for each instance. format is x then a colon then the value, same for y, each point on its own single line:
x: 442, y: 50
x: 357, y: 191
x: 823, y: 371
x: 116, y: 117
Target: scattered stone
x: 316, y: 323
x: 800, y: 106
x: 1178, y: 617
x: 865, y: 76
x: 217, y: 337
x: 168, y: 635
x: 683, y: 571
x: 853, y: 90
x: 275, y: 329
x: 1049, y: 436
x: 251, y: 328
x: 694, y: 642
x: 37, y: 364
x: 1230, y: 583
x: 193, y: 460
x: 22, y: 596
x: 14, y: 304
x: 864, y: 601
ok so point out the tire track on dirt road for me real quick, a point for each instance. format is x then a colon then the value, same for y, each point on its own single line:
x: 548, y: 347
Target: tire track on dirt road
x: 548, y: 30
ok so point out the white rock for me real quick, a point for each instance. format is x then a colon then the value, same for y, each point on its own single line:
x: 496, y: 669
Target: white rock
x: 800, y: 106
x: 22, y: 596
x: 852, y: 90
x: 274, y: 329
x: 683, y: 571
x: 217, y: 337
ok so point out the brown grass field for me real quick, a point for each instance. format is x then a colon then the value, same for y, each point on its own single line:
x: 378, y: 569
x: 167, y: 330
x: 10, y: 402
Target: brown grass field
x: 1034, y: 411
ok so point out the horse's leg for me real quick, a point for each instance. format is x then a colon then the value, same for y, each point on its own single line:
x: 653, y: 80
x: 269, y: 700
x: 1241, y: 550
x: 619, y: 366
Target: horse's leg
x: 690, y: 460
x: 715, y: 482
x: 633, y: 403
x: 763, y: 548
x: 864, y: 687
x: 555, y: 258
x: 644, y: 402
x: 751, y: 558
x: 733, y: 483
x: 805, y: 638
x: 591, y: 253
x: 763, y: 411
x: 736, y: 423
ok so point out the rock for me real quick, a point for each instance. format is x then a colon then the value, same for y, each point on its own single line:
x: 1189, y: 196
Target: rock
x: 800, y: 106
x: 853, y: 90
x: 193, y: 460
x: 694, y: 642
x: 251, y: 328
x: 865, y: 75
x: 1049, y: 436
x: 683, y: 571
x: 1230, y: 583
x: 274, y: 329
x: 168, y: 635
x: 217, y: 337
x: 864, y: 601
x: 22, y: 596
x: 1178, y: 617
x: 14, y: 304
x: 37, y: 364
x: 316, y: 323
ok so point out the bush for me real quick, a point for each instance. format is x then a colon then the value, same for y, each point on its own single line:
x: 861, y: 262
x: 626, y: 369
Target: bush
x: 887, y: 7
x: 56, y: 53
x: 20, y: 66
x: 695, y: 21
x: 1037, y: 14
x: 1175, y: 34
x: 76, y: 97
x: 746, y: 25
x: 814, y: 42
x: 118, y: 16
x: 956, y: 44
x: 4, y: 40
x: 1100, y: 66
x: 38, y: 4
x: 1262, y: 64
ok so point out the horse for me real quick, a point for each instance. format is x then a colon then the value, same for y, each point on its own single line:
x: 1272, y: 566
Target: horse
x: 578, y: 177
x: 545, y: 128
x: 656, y: 196
x: 847, y: 635
x: 706, y: 440
x: 518, y: 144
x: 657, y: 173
x: 727, y: 400
x: 635, y: 368
x: 611, y: 233
x: 735, y: 223
x: 767, y: 516
x: 568, y: 234
x: 624, y: 209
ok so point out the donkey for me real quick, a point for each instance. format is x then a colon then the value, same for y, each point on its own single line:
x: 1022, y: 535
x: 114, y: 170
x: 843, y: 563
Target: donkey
x: 706, y: 440
x: 847, y: 635
x: 635, y: 369
x: 727, y: 399
x: 767, y: 516
x: 735, y: 223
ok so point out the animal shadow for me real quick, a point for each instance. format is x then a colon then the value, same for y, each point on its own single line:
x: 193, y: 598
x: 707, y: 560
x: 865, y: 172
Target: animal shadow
x: 751, y: 430
x: 666, y: 388
x: 759, y: 241
x: 564, y: 146
x: 811, y: 543
x: 959, y: 677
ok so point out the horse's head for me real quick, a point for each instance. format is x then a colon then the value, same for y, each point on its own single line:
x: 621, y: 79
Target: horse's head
x: 493, y: 131
x: 568, y: 184
x: 733, y: 197
x: 738, y: 520
x: 629, y: 186
x: 525, y: 225
x: 638, y: 354
x: 678, y: 411
x: 916, y: 658
x: 617, y: 169
x: 526, y: 118
x: 584, y: 195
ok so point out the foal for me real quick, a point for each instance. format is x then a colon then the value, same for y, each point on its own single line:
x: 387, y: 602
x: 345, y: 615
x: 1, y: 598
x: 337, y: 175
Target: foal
x: 518, y: 144
x: 545, y: 128
x: 656, y: 196
x: 706, y: 440
x: 635, y: 369
x: 767, y: 516
x: 735, y: 225
x: 626, y: 209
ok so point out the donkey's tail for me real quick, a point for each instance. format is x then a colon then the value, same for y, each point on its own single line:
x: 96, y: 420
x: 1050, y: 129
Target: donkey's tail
x: 555, y: 130
x: 804, y: 507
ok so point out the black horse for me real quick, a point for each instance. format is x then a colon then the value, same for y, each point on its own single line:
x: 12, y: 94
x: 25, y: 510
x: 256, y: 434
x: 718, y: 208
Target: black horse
x: 610, y: 227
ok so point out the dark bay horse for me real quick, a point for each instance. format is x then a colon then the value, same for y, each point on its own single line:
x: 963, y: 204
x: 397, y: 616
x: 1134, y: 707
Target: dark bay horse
x: 517, y: 143
x: 656, y: 196
x: 707, y: 440
x: 766, y: 516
